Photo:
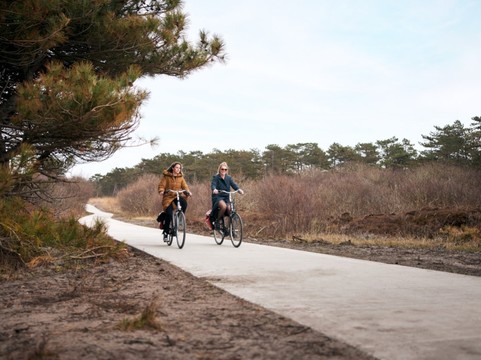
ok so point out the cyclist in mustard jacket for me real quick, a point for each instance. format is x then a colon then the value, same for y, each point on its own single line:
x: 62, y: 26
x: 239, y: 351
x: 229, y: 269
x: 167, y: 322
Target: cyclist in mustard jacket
x: 172, y: 179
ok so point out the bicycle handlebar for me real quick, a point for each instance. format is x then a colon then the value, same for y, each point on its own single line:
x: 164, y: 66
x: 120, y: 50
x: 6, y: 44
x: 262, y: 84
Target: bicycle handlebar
x: 178, y: 191
x: 228, y: 192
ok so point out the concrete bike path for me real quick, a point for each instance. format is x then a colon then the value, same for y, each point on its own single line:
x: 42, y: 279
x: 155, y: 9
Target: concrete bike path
x: 389, y: 311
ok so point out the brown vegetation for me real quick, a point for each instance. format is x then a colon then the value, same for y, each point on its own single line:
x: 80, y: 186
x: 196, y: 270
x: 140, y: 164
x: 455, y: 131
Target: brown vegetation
x: 44, y: 232
x: 141, y: 197
x: 427, y: 202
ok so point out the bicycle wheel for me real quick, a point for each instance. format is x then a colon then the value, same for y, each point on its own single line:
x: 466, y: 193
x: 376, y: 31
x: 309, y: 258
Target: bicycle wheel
x: 235, y: 230
x: 219, y: 232
x: 180, y: 229
x: 171, y: 232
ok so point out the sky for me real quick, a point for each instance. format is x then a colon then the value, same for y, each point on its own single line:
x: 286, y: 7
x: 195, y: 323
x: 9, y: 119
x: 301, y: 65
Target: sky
x: 320, y: 71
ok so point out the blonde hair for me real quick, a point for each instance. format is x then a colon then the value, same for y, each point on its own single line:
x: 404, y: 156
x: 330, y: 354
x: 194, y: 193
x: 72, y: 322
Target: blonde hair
x: 222, y: 164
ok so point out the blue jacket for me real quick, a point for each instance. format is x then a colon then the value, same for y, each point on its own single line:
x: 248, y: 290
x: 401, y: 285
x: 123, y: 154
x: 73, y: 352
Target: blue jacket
x: 222, y: 184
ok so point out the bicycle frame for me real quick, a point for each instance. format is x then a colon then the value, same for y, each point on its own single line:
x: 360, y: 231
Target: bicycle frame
x: 234, y: 228
x: 177, y: 194
x: 177, y: 215
x: 231, y: 201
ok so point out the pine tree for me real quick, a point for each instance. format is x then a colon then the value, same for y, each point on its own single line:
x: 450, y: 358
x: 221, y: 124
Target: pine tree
x: 449, y: 143
x: 67, y: 74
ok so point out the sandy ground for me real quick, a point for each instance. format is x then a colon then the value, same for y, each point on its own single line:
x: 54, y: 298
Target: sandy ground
x: 48, y: 313
x: 57, y: 315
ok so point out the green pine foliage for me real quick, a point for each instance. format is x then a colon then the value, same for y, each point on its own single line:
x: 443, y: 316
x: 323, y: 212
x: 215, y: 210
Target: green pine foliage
x: 28, y: 232
x: 68, y: 73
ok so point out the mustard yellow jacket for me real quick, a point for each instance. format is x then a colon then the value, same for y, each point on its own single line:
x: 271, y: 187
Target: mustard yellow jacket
x: 170, y: 181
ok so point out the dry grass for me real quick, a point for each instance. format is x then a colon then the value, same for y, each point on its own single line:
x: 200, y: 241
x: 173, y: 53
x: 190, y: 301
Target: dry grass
x: 107, y: 204
x: 402, y: 242
x: 42, y: 351
x: 111, y: 205
x: 146, y: 320
x: 33, y: 237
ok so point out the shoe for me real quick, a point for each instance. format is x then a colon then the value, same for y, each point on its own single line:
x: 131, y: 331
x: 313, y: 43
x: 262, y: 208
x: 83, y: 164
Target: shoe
x: 166, y: 237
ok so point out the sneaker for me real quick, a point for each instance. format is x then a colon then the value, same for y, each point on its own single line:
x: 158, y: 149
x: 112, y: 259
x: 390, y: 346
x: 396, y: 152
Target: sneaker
x: 166, y: 237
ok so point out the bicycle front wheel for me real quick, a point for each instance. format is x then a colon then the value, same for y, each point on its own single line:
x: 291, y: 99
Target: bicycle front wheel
x: 180, y: 229
x: 235, y: 230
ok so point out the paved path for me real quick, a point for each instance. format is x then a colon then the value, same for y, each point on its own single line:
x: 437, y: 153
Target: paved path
x: 389, y: 311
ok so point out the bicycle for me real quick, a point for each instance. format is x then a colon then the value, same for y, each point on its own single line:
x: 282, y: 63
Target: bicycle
x: 177, y: 223
x: 234, y: 227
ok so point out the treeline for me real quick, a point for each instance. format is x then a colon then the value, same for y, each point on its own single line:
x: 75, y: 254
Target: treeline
x: 452, y: 144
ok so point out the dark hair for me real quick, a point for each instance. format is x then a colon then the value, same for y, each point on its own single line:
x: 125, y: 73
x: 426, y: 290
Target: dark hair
x: 171, y: 167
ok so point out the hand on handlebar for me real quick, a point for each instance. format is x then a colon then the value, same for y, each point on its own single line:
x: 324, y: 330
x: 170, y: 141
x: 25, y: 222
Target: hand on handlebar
x: 188, y: 193
x: 240, y: 191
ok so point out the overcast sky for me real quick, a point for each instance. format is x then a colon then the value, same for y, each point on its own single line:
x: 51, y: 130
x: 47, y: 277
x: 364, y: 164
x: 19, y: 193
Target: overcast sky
x: 321, y: 71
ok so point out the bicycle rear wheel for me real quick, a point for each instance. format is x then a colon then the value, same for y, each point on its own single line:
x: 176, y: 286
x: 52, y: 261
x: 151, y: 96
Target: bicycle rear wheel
x: 170, y: 237
x: 180, y: 229
x: 219, y: 232
x: 235, y: 230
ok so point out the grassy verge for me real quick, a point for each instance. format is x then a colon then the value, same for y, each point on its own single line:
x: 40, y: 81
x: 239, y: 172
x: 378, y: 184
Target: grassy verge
x: 32, y: 236
x: 456, y: 239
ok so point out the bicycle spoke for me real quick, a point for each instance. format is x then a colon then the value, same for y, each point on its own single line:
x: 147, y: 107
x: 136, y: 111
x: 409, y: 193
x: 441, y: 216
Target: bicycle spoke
x: 181, y: 225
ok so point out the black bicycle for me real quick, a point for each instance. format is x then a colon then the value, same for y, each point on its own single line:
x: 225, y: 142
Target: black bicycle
x: 177, y: 223
x: 230, y: 225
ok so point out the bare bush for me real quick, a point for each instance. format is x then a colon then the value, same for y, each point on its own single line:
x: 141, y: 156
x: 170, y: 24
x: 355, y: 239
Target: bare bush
x: 68, y: 198
x: 200, y: 202
x: 437, y: 185
x: 141, y: 197
x: 306, y: 203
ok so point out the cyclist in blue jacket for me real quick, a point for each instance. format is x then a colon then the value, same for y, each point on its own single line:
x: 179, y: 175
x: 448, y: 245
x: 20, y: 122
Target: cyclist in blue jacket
x: 220, y: 200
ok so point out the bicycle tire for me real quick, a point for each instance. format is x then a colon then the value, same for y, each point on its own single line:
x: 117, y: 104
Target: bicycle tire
x: 219, y: 234
x: 173, y: 229
x: 236, y: 230
x: 170, y: 236
x: 180, y: 229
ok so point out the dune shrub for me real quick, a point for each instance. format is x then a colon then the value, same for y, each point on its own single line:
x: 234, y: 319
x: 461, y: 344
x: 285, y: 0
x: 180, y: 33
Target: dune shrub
x: 282, y: 205
x: 29, y: 233
x: 307, y: 202
x: 66, y: 199
x: 141, y: 197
